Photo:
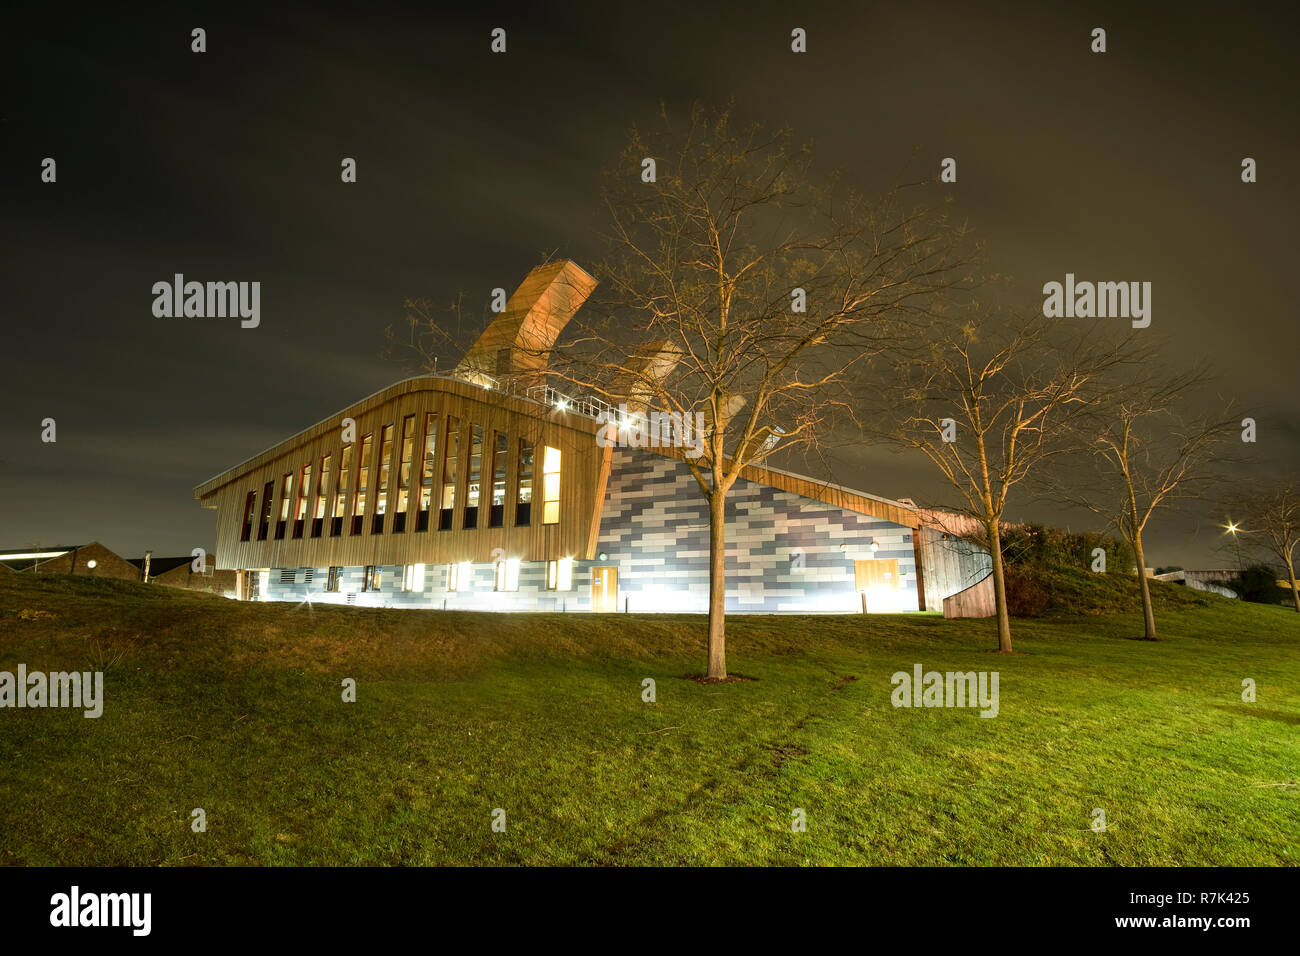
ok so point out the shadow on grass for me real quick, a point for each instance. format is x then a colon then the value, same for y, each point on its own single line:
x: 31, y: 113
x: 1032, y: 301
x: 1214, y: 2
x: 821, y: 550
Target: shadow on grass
x: 1260, y: 713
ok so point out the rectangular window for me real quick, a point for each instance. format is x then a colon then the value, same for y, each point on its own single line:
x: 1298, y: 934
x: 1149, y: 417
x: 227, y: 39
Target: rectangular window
x: 373, y: 578
x: 499, y: 454
x: 413, y: 578
x: 524, y: 499
x: 449, y: 474
x: 475, y: 476
x: 458, y: 576
x: 300, y: 513
x: 286, y: 495
x: 250, y: 512
x: 341, y: 496
x: 363, y: 484
x: 322, y: 481
x: 507, y: 575
x: 267, y: 491
x: 332, y: 582
x: 385, y: 469
x: 404, y: 474
x: 428, y: 464
x: 550, y: 485
x: 559, y: 575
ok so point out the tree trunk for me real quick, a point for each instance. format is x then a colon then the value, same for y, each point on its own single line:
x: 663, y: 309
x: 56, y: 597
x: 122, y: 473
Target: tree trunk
x: 717, y: 585
x: 1295, y: 594
x: 1000, y: 588
x: 1144, y: 586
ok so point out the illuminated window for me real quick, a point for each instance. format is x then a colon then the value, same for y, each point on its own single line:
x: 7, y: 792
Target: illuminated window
x: 341, y: 496
x: 373, y: 579
x: 413, y: 578
x: 428, y: 464
x: 458, y: 576
x: 524, y: 499
x: 286, y: 493
x: 550, y: 485
x: 385, y: 469
x: 363, y: 484
x: 498, y: 512
x: 300, y: 513
x: 507, y: 575
x: 322, y: 502
x: 250, y: 512
x: 475, y: 476
x: 404, y: 474
x: 449, y: 474
x: 559, y: 575
x: 332, y: 581
x: 267, y: 491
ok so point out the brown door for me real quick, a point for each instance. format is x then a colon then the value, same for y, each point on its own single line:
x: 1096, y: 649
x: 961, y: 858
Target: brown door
x: 876, y: 576
x: 604, y: 589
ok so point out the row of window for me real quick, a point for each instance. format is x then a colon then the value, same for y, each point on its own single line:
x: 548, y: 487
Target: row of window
x: 354, y: 472
x: 559, y: 576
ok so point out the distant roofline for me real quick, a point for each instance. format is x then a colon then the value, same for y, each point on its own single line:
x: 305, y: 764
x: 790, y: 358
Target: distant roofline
x: 30, y: 555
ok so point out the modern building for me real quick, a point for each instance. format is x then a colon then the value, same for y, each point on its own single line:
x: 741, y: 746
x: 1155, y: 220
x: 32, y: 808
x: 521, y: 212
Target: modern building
x: 486, y: 488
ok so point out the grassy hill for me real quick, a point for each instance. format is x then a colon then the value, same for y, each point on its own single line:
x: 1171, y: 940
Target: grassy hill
x: 236, y: 708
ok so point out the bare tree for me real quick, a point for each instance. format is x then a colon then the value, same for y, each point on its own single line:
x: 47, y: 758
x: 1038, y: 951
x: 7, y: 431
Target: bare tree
x: 1269, y: 517
x: 1147, y: 454
x: 739, y: 295
x: 990, y: 400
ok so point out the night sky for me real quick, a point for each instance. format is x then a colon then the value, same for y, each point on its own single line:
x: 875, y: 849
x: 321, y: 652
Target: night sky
x: 472, y: 167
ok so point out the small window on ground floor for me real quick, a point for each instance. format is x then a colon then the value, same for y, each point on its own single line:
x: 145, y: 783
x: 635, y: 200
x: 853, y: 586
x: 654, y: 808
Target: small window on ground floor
x: 507, y: 575
x: 413, y: 578
x: 332, y: 581
x: 559, y: 575
x: 373, y: 578
x: 458, y: 576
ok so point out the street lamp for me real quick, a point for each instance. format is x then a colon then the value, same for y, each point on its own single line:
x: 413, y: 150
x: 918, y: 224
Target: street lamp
x: 1232, y: 530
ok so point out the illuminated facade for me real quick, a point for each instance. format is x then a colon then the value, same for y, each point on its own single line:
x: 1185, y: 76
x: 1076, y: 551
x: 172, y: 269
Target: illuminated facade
x: 485, y: 489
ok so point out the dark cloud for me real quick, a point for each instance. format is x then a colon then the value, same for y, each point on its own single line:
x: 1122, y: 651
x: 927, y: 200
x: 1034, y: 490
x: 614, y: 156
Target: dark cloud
x: 225, y: 166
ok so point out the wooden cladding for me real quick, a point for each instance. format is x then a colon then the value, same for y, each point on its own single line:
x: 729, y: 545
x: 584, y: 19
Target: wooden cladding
x: 461, y: 434
x: 832, y: 494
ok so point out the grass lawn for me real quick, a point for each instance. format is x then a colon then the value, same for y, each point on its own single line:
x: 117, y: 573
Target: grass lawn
x: 236, y: 708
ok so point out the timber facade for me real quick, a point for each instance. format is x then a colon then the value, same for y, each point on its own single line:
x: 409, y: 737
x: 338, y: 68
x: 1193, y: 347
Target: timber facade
x: 484, y: 488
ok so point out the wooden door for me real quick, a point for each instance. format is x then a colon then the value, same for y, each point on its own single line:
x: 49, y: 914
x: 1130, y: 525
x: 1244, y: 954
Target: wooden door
x: 876, y: 575
x: 604, y: 589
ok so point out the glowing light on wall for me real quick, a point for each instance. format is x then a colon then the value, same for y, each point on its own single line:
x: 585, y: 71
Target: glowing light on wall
x: 882, y: 599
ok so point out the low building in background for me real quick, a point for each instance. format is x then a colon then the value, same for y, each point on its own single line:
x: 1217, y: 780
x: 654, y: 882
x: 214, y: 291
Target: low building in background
x: 178, y: 572
x: 91, y: 559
